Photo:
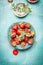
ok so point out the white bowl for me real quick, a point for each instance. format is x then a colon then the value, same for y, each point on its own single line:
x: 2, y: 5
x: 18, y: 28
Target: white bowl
x: 21, y: 14
x: 33, y: 1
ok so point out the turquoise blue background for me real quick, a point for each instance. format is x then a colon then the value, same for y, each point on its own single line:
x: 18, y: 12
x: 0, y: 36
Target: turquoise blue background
x: 34, y: 55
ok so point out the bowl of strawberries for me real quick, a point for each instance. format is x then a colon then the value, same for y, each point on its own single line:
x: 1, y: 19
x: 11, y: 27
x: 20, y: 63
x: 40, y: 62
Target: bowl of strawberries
x: 32, y: 1
x: 21, y: 35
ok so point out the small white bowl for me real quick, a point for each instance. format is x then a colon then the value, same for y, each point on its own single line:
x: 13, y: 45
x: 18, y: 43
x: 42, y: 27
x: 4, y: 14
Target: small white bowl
x: 21, y: 14
x: 33, y: 1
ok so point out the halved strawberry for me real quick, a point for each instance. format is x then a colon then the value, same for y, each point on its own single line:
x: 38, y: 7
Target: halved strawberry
x: 25, y: 38
x: 27, y: 30
x: 17, y: 41
x: 15, y: 27
x: 23, y: 43
x: 32, y: 33
x: 13, y: 43
x: 27, y: 25
x: 13, y: 34
x: 18, y: 32
x: 22, y: 25
x: 30, y: 41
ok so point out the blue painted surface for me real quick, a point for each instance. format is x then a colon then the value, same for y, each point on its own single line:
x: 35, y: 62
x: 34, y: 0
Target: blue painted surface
x: 33, y: 56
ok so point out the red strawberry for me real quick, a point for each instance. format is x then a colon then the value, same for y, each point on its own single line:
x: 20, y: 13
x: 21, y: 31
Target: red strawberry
x: 18, y: 32
x: 30, y: 41
x: 23, y: 43
x: 13, y: 34
x: 22, y: 25
x: 15, y: 27
x: 27, y: 25
x: 32, y: 33
x: 13, y: 30
x: 27, y: 30
x: 13, y: 42
x: 15, y: 52
x: 17, y: 41
x: 25, y: 38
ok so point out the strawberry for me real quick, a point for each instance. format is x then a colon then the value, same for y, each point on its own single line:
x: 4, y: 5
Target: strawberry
x: 32, y: 34
x: 22, y: 25
x: 27, y: 30
x: 15, y: 52
x: 13, y: 30
x: 17, y: 41
x: 13, y: 34
x: 25, y: 38
x: 23, y: 43
x: 15, y: 27
x: 18, y: 32
x: 30, y: 41
x: 27, y: 25
x: 13, y: 42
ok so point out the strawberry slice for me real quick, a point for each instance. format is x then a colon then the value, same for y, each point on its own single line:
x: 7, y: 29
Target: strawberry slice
x: 30, y: 41
x: 13, y: 43
x: 27, y: 25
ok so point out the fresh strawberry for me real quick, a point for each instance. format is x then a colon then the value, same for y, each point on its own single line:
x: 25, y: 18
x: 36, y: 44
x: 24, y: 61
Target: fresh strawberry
x: 27, y: 25
x: 13, y: 34
x: 25, y: 38
x: 13, y: 42
x: 13, y: 30
x: 32, y: 34
x: 15, y: 52
x: 27, y: 30
x: 18, y: 32
x: 30, y: 41
x: 22, y: 25
x: 15, y: 27
x: 17, y: 41
x: 23, y: 43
